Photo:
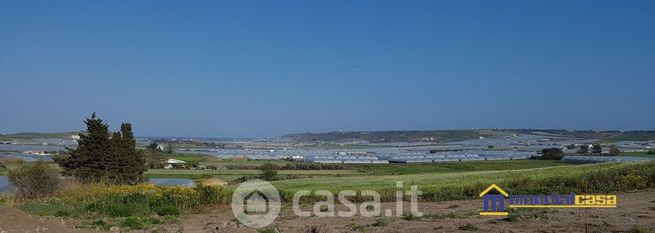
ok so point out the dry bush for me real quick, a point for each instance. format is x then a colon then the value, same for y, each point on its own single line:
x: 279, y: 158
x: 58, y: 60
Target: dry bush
x: 11, y: 161
x: 35, y: 179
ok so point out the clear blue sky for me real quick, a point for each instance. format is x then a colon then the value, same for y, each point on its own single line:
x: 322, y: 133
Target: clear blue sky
x: 266, y: 68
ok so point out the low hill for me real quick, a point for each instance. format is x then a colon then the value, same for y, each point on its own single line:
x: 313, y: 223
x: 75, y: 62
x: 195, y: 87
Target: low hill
x: 393, y: 136
x: 458, y: 135
x: 33, y: 135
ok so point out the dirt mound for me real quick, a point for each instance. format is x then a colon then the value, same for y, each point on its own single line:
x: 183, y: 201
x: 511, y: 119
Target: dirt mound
x: 214, y: 182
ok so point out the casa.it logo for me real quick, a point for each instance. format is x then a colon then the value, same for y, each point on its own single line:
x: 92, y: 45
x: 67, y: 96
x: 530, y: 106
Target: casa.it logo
x: 256, y: 203
x: 494, y: 204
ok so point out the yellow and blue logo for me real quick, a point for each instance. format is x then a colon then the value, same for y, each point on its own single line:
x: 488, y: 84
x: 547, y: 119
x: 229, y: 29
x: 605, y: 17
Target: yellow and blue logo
x: 494, y: 204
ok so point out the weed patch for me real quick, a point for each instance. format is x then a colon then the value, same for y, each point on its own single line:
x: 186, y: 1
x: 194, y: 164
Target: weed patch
x: 468, y: 227
x: 410, y: 216
x: 380, y: 222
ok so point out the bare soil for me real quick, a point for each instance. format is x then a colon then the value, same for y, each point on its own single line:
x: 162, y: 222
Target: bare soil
x: 15, y: 220
x: 635, y: 213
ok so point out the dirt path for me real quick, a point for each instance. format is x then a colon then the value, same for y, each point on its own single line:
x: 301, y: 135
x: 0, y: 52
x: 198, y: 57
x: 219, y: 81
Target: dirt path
x: 14, y: 220
x: 636, y: 211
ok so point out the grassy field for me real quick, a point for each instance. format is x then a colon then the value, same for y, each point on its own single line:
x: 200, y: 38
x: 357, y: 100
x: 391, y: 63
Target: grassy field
x: 249, y: 172
x: 259, y: 162
x: 450, y: 186
x: 450, y: 167
x: 637, y: 154
x: 355, y: 169
x: 230, y: 175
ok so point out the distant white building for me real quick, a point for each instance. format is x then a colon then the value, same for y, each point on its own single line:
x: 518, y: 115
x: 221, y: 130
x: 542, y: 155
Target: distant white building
x: 35, y: 152
x: 172, y: 163
x: 161, y: 147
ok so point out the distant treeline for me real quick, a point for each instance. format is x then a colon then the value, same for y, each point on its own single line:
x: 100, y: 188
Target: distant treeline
x: 37, y: 135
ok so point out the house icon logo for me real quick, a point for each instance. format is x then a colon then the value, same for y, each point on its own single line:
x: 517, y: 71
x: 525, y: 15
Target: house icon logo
x: 256, y: 203
x: 494, y: 204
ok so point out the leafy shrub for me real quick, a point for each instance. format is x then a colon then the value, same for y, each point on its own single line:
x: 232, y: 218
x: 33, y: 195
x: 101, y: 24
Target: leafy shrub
x: 638, y: 229
x: 134, y: 222
x: 3, y: 200
x: 96, y: 223
x: 614, y: 151
x: 597, y: 149
x: 168, y: 211
x: 449, y: 215
x: 410, y: 216
x: 513, y: 217
x: 268, y: 172
x: 35, y: 180
x: 62, y: 213
x: 357, y: 227
x: 380, y: 222
x: 208, y: 194
x: 11, y: 161
x: 635, y: 182
x: 116, y: 211
x: 552, y: 154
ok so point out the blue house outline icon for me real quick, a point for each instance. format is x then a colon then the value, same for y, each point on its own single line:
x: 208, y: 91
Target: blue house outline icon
x: 494, y: 204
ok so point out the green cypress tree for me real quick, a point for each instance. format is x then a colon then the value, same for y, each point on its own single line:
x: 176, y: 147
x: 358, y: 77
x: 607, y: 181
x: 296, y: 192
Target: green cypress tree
x: 132, y: 163
x: 88, y: 161
x: 101, y: 156
x: 116, y: 161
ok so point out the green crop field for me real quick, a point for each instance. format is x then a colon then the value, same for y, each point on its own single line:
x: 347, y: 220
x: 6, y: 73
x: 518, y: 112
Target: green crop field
x: 448, y: 167
x: 247, y: 172
x: 231, y: 175
x: 637, y: 154
x: 245, y: 162
x: 462, y: 185
x: 354, y: 169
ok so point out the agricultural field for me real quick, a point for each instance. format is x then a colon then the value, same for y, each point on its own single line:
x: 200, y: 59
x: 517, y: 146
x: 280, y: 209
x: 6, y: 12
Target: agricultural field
x: 452, y: 167
x: 231, y: 175
x: 465, y: 185
x: 348, y: 169
x: 637, y: 154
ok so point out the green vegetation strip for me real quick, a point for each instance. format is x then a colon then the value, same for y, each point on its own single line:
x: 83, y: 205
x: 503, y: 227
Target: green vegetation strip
x: 637, y: 154
x: 232, y: 175
x: 449, y: 167
x: 248, y: 172
x: 603, y: 178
